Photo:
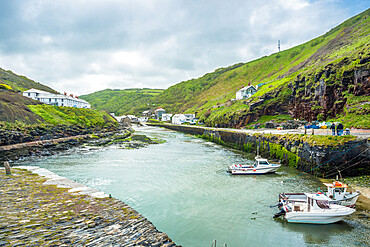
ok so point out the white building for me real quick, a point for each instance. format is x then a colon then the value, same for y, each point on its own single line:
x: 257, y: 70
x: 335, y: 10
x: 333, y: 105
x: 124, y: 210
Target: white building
x: 245, y: 92
x: 159, y: 112
x: 166, y: 117
x: 56, y: 99
x: 182, y: 118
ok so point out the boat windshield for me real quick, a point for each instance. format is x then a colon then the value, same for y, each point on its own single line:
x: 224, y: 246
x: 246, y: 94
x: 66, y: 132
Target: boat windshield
x: 323, y: 204
x: 264, y: 163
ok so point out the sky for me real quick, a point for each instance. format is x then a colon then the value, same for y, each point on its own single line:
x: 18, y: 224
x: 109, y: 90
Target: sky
x: 83, y: 46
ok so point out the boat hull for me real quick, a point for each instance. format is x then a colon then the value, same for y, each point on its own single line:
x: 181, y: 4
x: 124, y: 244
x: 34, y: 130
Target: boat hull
x: 324, y: 217
x: 348, y: 201
x: 252, y: 171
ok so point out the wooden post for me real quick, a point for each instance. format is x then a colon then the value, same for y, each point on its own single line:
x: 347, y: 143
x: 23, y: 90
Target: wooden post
x: 7, y: 168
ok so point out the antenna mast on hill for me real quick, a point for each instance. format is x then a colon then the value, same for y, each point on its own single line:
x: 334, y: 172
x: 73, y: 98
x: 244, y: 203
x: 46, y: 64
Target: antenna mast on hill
x: 279, y: 45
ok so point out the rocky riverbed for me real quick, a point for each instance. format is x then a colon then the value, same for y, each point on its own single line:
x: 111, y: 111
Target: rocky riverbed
x: 54, y: 211
x: 121, y: 138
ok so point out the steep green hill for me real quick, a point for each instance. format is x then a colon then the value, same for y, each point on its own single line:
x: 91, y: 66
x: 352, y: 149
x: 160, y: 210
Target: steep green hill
x: 325, y: 78
x: 119, y: 102
x: 21, y: 83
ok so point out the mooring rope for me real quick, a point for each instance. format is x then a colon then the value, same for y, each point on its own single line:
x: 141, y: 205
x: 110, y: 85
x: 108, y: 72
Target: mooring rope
x: 355, y: 164
x: 335, y: 169
x: 322, y: 163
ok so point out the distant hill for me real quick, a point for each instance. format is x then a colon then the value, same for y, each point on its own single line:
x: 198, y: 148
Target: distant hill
x: 120, y: 102
x: 21, y: 83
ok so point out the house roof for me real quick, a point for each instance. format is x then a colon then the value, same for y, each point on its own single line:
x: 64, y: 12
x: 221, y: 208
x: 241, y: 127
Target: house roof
x: 247, y: 87
x: 160, y: 109
x: 33, y: 90
x: 53, y: 95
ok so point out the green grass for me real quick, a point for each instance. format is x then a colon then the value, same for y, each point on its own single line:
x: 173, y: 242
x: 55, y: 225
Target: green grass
x: 56, y: 115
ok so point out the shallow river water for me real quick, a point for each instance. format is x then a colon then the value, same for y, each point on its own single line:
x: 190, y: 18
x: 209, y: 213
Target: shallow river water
x: 183, y: 188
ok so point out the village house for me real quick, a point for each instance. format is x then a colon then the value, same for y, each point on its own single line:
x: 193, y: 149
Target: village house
x: 147, y: 113
x: 183, y: 118
x: 246, y: 92
x: 159, y: 112
x: 56, y: 99
x: 166, y: 117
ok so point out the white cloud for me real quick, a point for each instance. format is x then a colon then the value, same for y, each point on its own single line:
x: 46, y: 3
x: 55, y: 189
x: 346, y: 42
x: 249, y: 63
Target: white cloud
x: 83, y: 46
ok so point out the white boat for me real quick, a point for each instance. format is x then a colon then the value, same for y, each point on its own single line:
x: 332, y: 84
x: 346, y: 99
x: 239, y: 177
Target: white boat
x: 260, y: 166
x: 311, y: 208
x: 337, y: 192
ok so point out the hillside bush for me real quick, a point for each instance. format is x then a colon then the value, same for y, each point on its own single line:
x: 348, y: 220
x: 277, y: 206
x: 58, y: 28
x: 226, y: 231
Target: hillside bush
x: 6, y: 87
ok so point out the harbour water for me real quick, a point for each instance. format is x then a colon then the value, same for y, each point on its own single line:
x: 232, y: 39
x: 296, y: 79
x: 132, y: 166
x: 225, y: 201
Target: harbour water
x: 182, y: 187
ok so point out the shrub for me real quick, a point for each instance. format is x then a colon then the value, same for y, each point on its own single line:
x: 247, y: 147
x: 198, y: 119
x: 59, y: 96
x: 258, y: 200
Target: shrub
x: 6, y: 87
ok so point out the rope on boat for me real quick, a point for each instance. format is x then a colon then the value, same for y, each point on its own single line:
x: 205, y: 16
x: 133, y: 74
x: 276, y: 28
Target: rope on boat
x: 323, y: 163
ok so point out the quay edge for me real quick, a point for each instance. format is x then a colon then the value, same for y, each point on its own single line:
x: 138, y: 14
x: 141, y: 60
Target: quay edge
x: 350, y: 157
x: 44, y: 209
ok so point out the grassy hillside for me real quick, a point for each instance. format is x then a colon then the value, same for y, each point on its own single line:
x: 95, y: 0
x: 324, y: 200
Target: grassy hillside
x: 18, y: 111
x: 55, y: 115
x: 289, y: 80
x: 21, y: 83
x: 13, y: 107
x: 128, y: 101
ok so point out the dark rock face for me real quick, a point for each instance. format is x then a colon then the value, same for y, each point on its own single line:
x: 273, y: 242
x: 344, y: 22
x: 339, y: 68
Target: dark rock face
x: 324, y: 97
x: 10, y: 137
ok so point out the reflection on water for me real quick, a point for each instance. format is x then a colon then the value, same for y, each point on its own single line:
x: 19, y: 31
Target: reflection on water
x: 318, y: 234
x: 183, y: 188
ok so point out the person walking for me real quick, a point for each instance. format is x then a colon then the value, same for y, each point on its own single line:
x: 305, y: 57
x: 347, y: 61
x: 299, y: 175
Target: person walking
x: 332, y: 127
x: 340, y: 129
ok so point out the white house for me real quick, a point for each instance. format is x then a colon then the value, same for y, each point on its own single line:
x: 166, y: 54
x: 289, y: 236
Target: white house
x: 182, y: 118
x: 245, y: 92
x: 166, y: 117
x: 56, y: 99
x: 159, y: 112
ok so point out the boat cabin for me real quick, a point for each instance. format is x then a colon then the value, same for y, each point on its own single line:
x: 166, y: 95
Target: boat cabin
x: 336, y: 190
x: 261, y: 162
x: 306, y: 202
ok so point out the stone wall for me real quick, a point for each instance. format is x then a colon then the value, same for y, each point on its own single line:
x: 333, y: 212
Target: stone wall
x: 351, y: 158
x: 41, y: 208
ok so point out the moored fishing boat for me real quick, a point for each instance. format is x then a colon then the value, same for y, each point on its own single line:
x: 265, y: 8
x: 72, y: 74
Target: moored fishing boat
x: 337, y: 192
x: 260, y: 166
x: 311, y: 208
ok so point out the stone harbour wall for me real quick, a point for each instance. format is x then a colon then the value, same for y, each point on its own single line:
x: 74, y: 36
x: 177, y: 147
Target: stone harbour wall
x: 351, y: 158
x: 40, y: 208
